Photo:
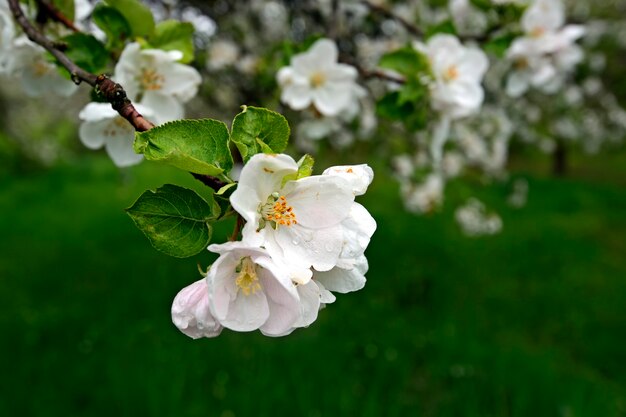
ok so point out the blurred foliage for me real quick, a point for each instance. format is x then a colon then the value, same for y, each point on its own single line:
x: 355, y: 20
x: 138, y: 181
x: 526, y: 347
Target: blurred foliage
x: 530, y: 322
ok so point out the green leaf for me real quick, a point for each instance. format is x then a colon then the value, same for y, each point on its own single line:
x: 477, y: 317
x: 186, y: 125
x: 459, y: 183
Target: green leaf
x: 87, y: 52
x: 112, y: 22
x: 500, y: 44
x: 407, y: 61
x: 305, y: 169
x: 172, y: 35
x: 257, y: 130
x: 176, y: 221
x: 138, y: 16
x: 447, y: 26
x: 66, y: 7
x: 198, y: 146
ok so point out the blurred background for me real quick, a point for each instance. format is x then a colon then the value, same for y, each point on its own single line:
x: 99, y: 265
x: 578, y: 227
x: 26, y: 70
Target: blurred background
x: 531, y: 321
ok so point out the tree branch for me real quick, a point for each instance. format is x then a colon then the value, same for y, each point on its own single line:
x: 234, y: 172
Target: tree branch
x: 55, y: 14
x: 113, y: 92
x: 411, y: 28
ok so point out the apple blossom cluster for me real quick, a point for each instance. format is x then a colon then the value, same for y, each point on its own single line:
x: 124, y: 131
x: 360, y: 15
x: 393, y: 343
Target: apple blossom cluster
x: 303, y: 239
x: 22, y: 59
x: 547, y: 51
x: 156, y: 82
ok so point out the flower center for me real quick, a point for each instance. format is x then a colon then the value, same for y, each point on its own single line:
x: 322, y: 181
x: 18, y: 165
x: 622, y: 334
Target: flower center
x: 451, y: 74
x: 277, y: 211
x: 151, y: 80
x: 40, y: 68
x: 247, y: 279
x: 317, y: 79
x: 537, y: 32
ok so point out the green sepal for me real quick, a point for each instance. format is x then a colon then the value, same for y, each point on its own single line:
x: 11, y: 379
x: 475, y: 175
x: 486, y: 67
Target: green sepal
x: 305, y: 169
x: 258, y: 130
x: 198, y: 146
x: 176, y: 220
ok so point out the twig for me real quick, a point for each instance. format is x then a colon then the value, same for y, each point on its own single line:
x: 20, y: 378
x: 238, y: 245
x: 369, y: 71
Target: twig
x: 381, y: 74
x: 113, y: 92
x: 237, y: 229
x: 411, y: 28
x: 54, y: 13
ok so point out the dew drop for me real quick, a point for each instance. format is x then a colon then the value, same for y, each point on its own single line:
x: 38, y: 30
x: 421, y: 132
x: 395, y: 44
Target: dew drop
x: 328, y: 247
x: 308, y: 236
x: 296, y: 241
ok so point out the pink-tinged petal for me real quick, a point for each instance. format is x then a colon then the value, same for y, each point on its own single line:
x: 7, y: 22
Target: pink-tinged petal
x: 221, y: 283
x: 358, y: 176
x: 319, y: 201
x: 247, y: 312
x: 344, y: 280
x: 306, y: 247
x: 283, y: 300
x: 191, y: 313
x: 309, y: 303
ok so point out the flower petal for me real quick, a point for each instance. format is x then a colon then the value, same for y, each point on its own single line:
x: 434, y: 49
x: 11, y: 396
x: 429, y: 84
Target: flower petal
x: 358, y: 176
x: 191, y: 313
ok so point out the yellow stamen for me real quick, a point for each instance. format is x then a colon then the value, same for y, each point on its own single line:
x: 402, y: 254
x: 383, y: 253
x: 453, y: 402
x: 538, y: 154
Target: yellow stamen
x: 277, y: 210
x: 151, y: 80
x: 317, y: 79
x: 247, y: 280
x: 537, y: 32
x: 451, y: 74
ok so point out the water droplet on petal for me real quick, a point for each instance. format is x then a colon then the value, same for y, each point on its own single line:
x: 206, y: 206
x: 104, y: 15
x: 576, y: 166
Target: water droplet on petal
x: 296, y: 241
x: 328, y: 247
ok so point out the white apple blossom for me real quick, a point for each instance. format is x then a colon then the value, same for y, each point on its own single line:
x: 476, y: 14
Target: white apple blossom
x: 154, y: 78
x: 38, y: 76
x: 7, y: 34
x: 297, y: 221
x: 547, y: 51
x: 474, y: 220
x: 248, y: 290
x: 103, y: 126
x: 458, y: 71
x: 316, y: 78
x: 191, y: 312
x: 424, y: 197
x: 222, y: 53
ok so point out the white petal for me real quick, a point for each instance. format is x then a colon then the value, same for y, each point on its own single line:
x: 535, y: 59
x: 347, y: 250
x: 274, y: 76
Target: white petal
x: 319, y: 201
x: 92, y: 134
x: 358, y: 176
x: 120, y: 148
x: 283, y: 300
x: 247, y: 312
x: 344, y: 280
x: 333, y: 97
x: 359, y: 227
x: 517, y: 84
x: 181, y: 81
x: 326, y: 297
x: 93, y: 112
x: 310, y: 303
x: 164, y: 108
x: 308, y: 247
x: 260, y: 177
x: 298, y: 96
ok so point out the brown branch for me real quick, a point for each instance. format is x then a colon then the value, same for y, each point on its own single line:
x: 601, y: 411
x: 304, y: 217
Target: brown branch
x: 237, y: 229
x: 55, y: 14
x: 411, y: 28
x: 113, y: 92
x: 381, y: 74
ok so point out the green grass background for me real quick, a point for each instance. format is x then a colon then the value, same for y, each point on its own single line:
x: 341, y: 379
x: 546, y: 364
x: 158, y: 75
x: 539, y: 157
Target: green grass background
x: 531, y: 322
